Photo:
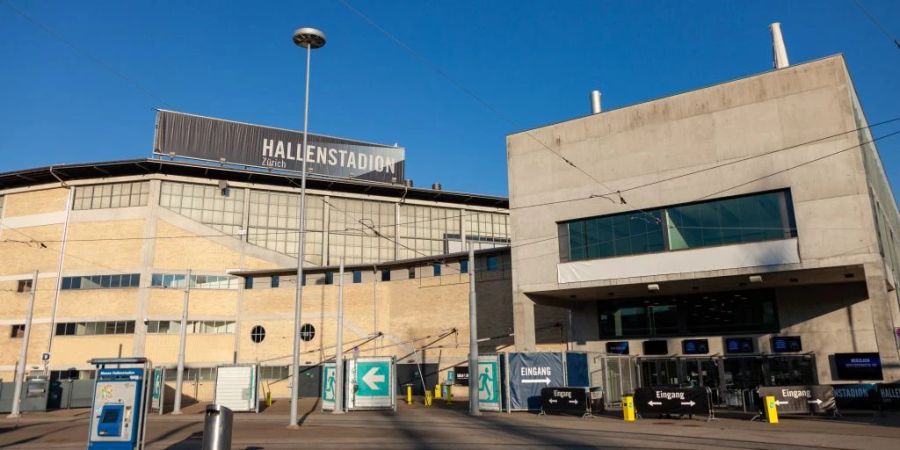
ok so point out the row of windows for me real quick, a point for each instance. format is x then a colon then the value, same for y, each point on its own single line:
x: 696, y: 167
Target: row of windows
x: 93, y: 328
x: 690, y: 315
x: 102, y: 281
x: 193, y: 327
x: 193, y: 374
x: 274, y: 372
x: 169, y: 280
x: 209, y: 205
x: 115, y: 195
x: 749, y: 218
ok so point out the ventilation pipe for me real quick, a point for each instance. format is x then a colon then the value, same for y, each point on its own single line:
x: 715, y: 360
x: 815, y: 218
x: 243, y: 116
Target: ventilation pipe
x: 779, y: 53
x: 408, y: 183
x: 595, y: 102
x: 436, y: 186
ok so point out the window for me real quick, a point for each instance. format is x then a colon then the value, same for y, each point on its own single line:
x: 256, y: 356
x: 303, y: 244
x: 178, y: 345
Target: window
x: 205, y: 204
x: 357, y: 276
x: 257, y: 334
x: 275, y: 224
x: 17, y: 331
x: 750, y: 218
x: 193, y: 373
x: 385, y: 275
x: 329, y: 277
x: 116, y: 195
x: 493, y: 263
x: 128, y: 280
x: 167, y: 280
x: 275, y: 281
x: 464, y: 266
x: 436, y: 268
x: 248, y: 283
x: 274, y: 372
x: 690, y: 315
x: 307, y: 332
x: 411, y: 273
x: 23, y: 286
x: 94, y: 328
x: 193, y: 327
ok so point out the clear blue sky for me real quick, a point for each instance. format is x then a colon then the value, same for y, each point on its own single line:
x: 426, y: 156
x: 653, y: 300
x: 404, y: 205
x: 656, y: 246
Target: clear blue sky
x: 533, y: 62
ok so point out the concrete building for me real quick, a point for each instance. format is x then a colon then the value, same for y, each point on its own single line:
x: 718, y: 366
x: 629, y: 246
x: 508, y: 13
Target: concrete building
x: 738, y: 235
x: 112, y: 243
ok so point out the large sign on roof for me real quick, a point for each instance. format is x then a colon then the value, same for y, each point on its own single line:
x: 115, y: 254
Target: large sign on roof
x: 187, y: 135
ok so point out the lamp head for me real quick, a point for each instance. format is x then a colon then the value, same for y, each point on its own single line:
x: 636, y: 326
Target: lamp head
x: 307, y: 37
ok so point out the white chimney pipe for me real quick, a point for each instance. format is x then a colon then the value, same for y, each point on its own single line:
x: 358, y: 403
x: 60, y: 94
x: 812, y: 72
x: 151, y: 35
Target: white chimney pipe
x: 595, y: 102
x: 779, y: 53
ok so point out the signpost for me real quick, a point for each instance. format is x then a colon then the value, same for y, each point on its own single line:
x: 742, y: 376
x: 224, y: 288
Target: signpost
x: 531, y: 372
x: 488, y: 381
x: 373, y: 383
x: 801, y: 399
x: 329, y: 386
x: 667, y: 400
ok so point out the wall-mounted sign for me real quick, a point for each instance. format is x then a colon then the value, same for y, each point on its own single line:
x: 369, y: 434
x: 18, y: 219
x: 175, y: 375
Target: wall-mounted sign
x: 656, y: 348
x: 739, y: 345
x: 858, y: 366
x: 786, y: 344
x: 217, y: 140
x: 695, y: 346
x: 617, y: 347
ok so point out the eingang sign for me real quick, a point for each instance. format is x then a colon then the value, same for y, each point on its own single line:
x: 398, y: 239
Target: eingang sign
x: 216, y: 140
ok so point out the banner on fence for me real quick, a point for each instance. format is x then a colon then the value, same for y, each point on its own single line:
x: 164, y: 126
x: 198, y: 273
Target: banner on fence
x: 801, y: 399
x: 671, y: 400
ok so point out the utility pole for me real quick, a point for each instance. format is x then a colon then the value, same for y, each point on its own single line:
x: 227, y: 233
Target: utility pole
x: 182, y: 333
x: 473, y: 338
x: 23, y: 353
x: 339, y: 346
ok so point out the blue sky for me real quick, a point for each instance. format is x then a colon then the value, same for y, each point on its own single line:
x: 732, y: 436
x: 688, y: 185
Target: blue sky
x: 532, y: 62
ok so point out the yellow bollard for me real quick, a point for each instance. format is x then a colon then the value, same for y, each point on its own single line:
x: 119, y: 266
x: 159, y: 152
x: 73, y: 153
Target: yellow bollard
x: 771, y: 409
x: 268, y: 399
x: 409, y: 395
x: 449, y: 398
x: 437, y: 391
x: 628, y: 408
x: 427, y: 398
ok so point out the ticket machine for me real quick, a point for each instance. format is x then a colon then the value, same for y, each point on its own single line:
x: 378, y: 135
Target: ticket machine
x: 119, y: 408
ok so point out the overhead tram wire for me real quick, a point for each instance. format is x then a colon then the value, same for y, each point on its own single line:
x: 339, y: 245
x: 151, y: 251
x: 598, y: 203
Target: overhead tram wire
x: 84, y: 53
x: 877, y: 24
x: 478, y: 99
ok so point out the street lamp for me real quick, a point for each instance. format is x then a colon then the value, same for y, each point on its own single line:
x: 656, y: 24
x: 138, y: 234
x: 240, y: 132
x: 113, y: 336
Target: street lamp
x: 308, y: 38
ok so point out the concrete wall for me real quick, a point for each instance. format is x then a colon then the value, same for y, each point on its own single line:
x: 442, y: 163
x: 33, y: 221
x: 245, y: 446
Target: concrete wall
x: 713, y: 142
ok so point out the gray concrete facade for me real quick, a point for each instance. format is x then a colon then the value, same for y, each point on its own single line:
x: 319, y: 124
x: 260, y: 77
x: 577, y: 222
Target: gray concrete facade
x: 800, y: 128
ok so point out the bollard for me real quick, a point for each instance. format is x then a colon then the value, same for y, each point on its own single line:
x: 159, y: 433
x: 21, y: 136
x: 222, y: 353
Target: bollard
x: 448, y: 399
x: 628, y: 408
x: 217, y: 428
x: 268, y: 399
x: 437, y: 391
x: 427, y: 398
x: 771, y: 409
x: 408, y: 395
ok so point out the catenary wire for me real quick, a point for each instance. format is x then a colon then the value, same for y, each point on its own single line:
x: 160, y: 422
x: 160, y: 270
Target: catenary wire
x: 877, y: 24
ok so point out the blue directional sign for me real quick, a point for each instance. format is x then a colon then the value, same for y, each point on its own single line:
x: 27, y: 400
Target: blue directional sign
x: 372, y: 381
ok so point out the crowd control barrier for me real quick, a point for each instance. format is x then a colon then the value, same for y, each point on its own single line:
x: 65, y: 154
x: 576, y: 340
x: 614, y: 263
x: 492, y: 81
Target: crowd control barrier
x: 673, y: 400
x: 799, y: 399
x: 580, y: 401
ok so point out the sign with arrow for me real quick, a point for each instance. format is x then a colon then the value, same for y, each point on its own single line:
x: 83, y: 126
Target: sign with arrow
x: 671, y: 400
x: 801, y: 399
x: 372, y: 381
x: 566, y: 400
x: 529, y: 373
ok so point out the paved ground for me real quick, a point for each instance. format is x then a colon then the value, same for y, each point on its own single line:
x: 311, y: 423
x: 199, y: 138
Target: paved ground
x: 448, y: 427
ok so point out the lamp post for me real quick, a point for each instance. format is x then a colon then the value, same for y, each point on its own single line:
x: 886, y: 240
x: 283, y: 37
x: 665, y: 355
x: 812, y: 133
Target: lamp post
x: 308, y: 38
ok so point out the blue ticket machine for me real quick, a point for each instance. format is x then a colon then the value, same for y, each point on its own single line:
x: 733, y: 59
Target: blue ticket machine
x: 119, y: 409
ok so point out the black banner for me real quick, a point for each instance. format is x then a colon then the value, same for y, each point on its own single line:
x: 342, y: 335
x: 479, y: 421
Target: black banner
x: 219, y: 140
x: 857, y: 396
x: 889, y: 394
x: 565, y: 400
x: 800, y: 399
x: 670, y: 400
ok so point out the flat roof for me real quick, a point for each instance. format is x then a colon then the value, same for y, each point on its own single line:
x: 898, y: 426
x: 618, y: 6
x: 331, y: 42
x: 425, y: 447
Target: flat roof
x: 212, y: 171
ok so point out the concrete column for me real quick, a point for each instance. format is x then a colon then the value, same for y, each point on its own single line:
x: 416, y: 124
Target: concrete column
x: 523, y: 322
x: 148, y: 249
x: 882, y: 319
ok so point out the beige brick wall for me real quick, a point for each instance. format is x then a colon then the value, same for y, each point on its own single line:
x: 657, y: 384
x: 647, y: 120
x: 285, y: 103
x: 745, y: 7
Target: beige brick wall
x: 35, y: 202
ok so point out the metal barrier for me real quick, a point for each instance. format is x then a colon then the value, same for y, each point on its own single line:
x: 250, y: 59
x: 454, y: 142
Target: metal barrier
x: 617, y: 374
x: 217, y: 428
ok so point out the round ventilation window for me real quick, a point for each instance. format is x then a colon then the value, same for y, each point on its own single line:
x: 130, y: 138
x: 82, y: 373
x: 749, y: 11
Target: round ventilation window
x: 307, y: 332
x: 257, y: 334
